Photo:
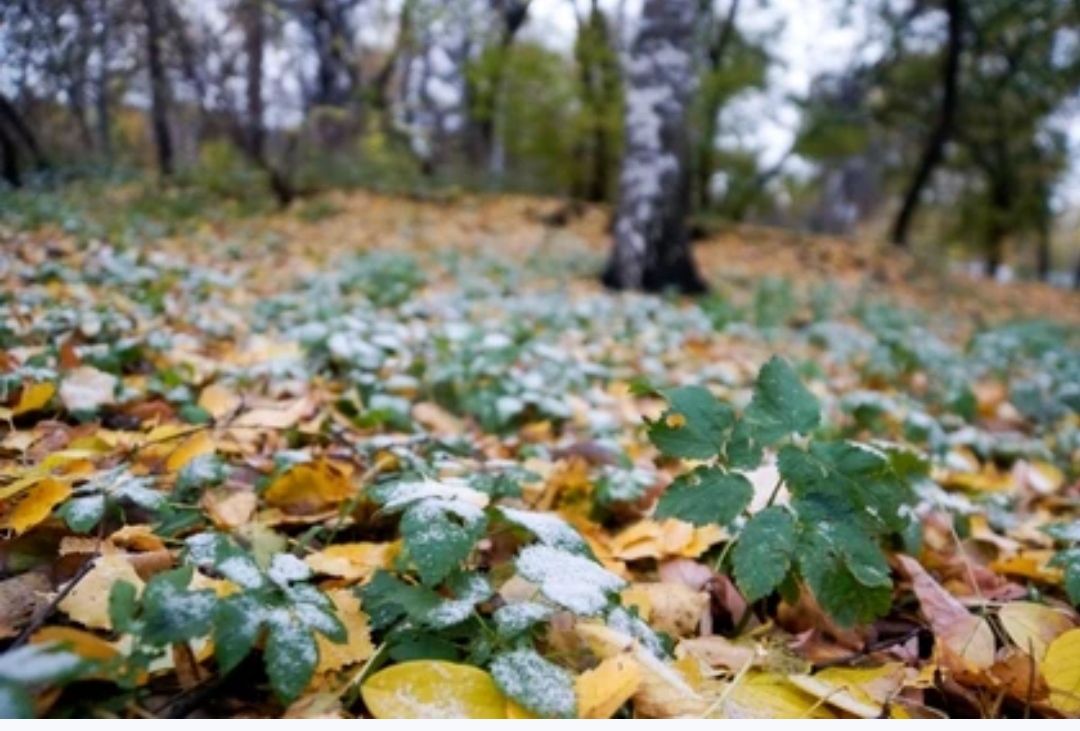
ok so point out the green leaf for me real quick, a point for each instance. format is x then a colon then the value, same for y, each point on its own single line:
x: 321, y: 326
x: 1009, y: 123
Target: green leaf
x: 386, y: 599
x: 780, y: 406
x: 291, y: 655
x: 15, y: 702
x: 763, y: 552
x: 846, y: 599
x: 171, y: 613
x: 123, y: 603
x: 1069, y: 562
x: 83, y: 513
x: 572, y: 581
x: 417, y: 645
x: 694, y: 426
x: 439, y: 535
x: 706, y: 495
x: 535, y: 683
x: 238, y: 620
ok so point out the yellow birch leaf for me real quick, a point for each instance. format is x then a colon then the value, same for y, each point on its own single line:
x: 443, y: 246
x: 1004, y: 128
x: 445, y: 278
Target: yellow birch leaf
x: 88, y: 602
x: 1034, y: 626
x: 192, y: 447
x: 218, y: 401
x: 768, y: 695
x: 433, y: 689
x: 862, y: 692
x: 604, y: 689
x: 1061, y: 670
x: 310, y: 487
x: 704, y: 538
x: 353, y: 561
x: 36, y: 505
x: 85, y: 644
x: 34, y: 397
x: 357, y: 647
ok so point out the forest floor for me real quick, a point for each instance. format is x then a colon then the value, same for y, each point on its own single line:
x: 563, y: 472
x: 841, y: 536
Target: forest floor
x: 266, y: 466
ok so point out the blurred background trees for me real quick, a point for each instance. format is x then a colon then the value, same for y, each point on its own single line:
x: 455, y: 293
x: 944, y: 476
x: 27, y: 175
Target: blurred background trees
x: 951, y: 128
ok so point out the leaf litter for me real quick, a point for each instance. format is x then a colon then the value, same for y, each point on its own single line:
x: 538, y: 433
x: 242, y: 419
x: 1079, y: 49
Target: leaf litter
x: 414, y: 476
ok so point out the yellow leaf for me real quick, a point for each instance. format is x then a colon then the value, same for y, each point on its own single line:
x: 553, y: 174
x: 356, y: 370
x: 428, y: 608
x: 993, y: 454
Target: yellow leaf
x: 88, y: 602
x: 281, y: 416
x: 1061, y: 670
x: 195, y: 446
x: 514, y: 711
x: 85, y: 644
x: 229, y: 509
x: 218, y: 401
x: 357, y: 648
x: 669, y: 607
x: 1034, y: 626
x: 1032, y: 564
x: 353, y: 561
x: 310, y: 487
x: 34, y: 397
x: 862, y: 692
x: 768, y: 695
x: 433, y: 689
x: 36, y: 505
x: 604, y: 689
x: 704, y: 538
x: 638, y: 541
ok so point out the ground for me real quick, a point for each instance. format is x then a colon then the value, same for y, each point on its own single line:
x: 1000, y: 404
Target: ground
x: 256, y: 466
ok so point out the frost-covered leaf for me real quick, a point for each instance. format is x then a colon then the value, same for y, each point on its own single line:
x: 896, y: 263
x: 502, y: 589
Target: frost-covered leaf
x: 535, y: 683
x: 440, y: 534
x: 572, y: 581
x: 549, y: 529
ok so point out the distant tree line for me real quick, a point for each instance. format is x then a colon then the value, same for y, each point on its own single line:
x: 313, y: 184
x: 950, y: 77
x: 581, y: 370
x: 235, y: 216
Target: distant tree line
x: 955, y: 132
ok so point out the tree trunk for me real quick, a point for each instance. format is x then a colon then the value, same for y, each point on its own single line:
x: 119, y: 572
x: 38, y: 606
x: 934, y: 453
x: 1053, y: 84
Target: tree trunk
x: 254, y: 48
x: 943, y: 130
x: 102, y: 82
x: 9, y: 156
x: 159, y: 87
x: 652, y: 246
x: 20, y: 130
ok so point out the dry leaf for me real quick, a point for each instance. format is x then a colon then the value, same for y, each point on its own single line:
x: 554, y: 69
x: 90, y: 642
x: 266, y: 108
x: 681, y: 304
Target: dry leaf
x: 34, y: 397
x: 1034, y: 626
x: 195, y: 446
x: 353, y: 561
x: 604, y: 689
x: 88, y: 602
x: 358, y: 647
x: 311, y: 487
x: 672, y: 608
x: 36, y: 505
x: 1061, y: 669
x: 862, y: 692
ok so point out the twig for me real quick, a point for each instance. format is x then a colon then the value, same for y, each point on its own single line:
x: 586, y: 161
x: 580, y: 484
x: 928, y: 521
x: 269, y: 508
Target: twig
x: 871, y: 648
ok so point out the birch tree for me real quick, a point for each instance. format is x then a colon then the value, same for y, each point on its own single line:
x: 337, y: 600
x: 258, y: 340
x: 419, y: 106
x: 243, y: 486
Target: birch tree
x: 652, y: 248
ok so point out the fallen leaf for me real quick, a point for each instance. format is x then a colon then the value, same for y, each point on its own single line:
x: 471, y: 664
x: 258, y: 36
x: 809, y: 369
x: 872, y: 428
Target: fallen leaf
x: 34, y: 397
x: 36, y: 505
x: 88, y: 602
x: 87, y: 389
x: 229, y: 509
x: 968, y: 640
x: 672, y: 608
x: 195, y: 446
x: 1034, y: 626
x: 769, y: 695
x: 358, y: 647
x: 432, y: 689
x: 604, y: 689
x: 218, y: 401
x: 1061, y: 669
x: 310, y: 487
x: 353, y: 561
x: 862, y: 692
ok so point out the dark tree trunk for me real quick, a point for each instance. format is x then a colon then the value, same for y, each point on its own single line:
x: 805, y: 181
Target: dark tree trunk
x: 934, y: 151
x: 159, y: 87
x: 1044, y: 260
x: 254, y: 37
x: 9, y: 156
x: 335, y: 78
x: 652, y: 245
x: 20, y: 131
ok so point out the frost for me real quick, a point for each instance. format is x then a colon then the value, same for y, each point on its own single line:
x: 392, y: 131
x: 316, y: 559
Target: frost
x: 548, y: 528
x: 241, y: 570
x: 402, y: 494
x: 33, y: 664
x: 453, y: 611
x: 513, y: 619
x: 539, y: 685
x: 576, y: 583
x: 286, y: 568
